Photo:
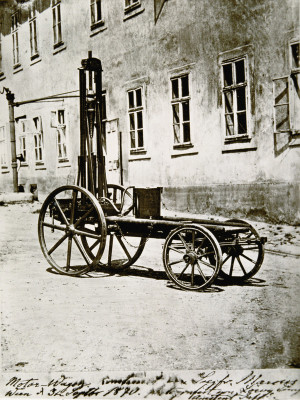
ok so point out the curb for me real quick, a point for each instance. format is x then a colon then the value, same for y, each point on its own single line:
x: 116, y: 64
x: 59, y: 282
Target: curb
x: 16, y: 198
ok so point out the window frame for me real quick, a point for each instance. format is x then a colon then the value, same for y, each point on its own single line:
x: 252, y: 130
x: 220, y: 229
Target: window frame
x: 33, y: 35
x: 95, y: 9
x: 234, y: 88
x: 15, y: 38
x: 135, y: 110
x: 180, y: 101
x: 3, y: 148
x: 62, y: 146
x: 57, y: 24
x: 38, y: 141
x: 294, y: 87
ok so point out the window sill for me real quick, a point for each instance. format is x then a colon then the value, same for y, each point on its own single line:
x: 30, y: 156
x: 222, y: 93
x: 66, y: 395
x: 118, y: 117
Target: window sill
x: 64, y: 163
x: 23, y: 164
x: 238, y: 144
x: 132, y: 11
x: 39, y: 166
x: 4, y: 169
x: 181, y: 146
x: 138, y: 151
x: 2, y: 76
x: 58, y: 47
x: 35, y: 59
x: 17, y: 68
x: 138, y: 154
x: 97, y: 27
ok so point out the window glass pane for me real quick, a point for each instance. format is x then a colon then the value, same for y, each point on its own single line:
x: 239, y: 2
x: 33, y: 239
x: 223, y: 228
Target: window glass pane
x: 242, y: 123
x: 176, y: 130
x: 131, y: 119
x: 132, y: 139
x: 241, y: 98
x: 227, y: 74
x: 281, y: 87
x: 240, y: 71
x: 228, y: 97
x: 103, y: 105
x: 186, y: 111
x: 138, y: 97
x: 282, y: 118
x: 175, y: 92
x: 175, y: 113
x: 295, y: 55
x: 186, y: 132
x: 98, y: 5
x: 131, y: 99
x: 140, y: 138
x: 185, y: 85
x: 140, y: 119
x: 229, y: 125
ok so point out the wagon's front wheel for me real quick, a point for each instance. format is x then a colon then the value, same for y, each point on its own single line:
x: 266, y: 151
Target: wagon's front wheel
x: 192, y: 257
x: 65, y: 219
x: 243, y: 254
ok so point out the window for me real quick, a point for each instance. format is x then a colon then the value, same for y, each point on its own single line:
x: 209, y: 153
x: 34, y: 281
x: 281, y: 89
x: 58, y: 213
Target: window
x: 3, y: 155
x: 59, y: 122
x: 15, y: 37
x: 96, y: 15
x: 38, y: 140
x: 235, y: 97
x: 22, y: 139
x: 286, y: 92
x: 181, y: 110
x: 56, y: 15
x: 135, y: 113
x: 33, y: 32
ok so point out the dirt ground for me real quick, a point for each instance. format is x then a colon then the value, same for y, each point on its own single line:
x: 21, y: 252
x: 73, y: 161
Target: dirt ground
x: 136, y: 320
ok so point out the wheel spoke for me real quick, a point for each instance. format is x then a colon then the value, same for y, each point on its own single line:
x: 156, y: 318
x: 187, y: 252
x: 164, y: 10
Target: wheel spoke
x: 87, y: 234
x: 174, y: 262
x: 111, y: 241
x: 192, y: 274
x: 53, y: 226
x: 69, y: 253
x: 206, y: 263
x: 193, y: 240
x: 61, y: 212
x: 83, y: 217
x: 231, y: 265
x: 82, y: 251
x: 174, y: 249
x: 248, y: 258
x: 74, y: 199
x: 181, y: 273
x: 227, y: 258
x: 123, y: 247
x: 241, y: 265
x: 58, y: 243
x: 201, y: 273
x: 183, y: 242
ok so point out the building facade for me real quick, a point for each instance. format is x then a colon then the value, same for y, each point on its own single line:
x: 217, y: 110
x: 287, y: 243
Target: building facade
x: 201, y: 98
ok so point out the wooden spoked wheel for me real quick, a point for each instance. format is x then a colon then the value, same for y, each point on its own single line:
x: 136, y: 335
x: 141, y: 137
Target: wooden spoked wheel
x: 121, y: 251
x: 192, y: 257
x: 65, y: 220
x: 243, y: 254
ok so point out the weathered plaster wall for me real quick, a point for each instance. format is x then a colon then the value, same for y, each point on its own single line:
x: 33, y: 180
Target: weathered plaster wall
x: 136, y: 51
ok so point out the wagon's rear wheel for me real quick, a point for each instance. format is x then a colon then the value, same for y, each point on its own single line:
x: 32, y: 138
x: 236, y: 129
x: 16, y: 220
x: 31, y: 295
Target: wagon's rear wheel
x: 192, y: 257
x: 243, y: 254
x: 65, y: 220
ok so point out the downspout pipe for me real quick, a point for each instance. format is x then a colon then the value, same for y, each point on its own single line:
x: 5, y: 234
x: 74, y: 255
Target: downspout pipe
x: 11, y: 113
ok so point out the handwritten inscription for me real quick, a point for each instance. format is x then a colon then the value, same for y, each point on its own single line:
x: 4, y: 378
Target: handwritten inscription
x: 206, y: 385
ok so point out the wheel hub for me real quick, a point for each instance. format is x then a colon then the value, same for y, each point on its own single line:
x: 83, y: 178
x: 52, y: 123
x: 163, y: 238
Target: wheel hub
x: 70, y: 230
x: 190, y: 257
